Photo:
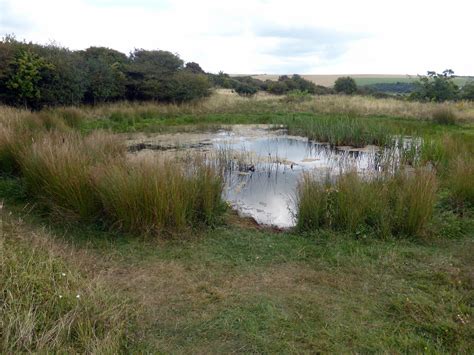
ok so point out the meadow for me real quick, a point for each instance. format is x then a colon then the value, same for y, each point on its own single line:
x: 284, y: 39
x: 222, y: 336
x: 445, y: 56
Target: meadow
x: 104, y: 253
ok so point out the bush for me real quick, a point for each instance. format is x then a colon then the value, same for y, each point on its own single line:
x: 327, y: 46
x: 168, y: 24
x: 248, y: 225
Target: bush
x: 345, y: 85
x: 399, y: 205
x: 245, y: 90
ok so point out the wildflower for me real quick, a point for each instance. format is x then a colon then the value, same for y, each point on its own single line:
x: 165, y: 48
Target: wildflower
x: 78, y: 296
x: 60, y: 296
x: 63, y: 274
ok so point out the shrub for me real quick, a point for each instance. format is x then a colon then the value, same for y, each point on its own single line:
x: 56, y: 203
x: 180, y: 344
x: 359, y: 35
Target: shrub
x: 399, y: 205
x: 345, y: 85
x: 245, y: 90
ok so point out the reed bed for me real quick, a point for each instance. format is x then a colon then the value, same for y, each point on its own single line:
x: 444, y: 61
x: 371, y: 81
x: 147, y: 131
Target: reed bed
x: 400, y: 204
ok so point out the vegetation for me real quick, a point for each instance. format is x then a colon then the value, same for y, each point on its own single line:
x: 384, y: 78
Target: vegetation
x: 345, y: 85
x: 157, y: 263
x: 49, y: 305
x: 436, y: 87
x: 387, y: 205
x: 35, y: 76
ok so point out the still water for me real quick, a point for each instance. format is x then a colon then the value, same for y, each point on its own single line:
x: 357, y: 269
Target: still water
x: 265, y: 187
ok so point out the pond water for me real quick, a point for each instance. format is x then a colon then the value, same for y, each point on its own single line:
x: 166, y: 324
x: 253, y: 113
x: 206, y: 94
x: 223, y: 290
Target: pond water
x: 265, y: 187
x: 263, y: 166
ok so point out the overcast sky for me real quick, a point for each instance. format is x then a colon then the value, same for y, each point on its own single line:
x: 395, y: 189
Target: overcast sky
x: 263, y: 36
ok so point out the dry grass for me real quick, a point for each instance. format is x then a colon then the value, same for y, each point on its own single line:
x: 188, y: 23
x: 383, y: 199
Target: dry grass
x: 223, y: 101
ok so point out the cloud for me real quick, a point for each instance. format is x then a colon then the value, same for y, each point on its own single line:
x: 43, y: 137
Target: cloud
x: 272, y: 36
x: 11, y: 20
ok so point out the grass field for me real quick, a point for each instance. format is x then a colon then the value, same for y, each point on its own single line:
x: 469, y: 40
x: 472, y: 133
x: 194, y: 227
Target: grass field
x: 361, y: 79
x: 97, y: 255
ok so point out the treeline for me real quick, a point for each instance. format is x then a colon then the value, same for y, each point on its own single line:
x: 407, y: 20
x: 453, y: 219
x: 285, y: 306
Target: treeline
x: 34, y: 75
x: 247, y: 85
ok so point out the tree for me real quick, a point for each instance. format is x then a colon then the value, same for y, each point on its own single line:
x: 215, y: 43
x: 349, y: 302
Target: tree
x: 467, y: 92
x: 437, y: 87
x: 194, y: 68
x: 105, y: 74
x: 24, y: 81
x: 66, y: 82
x: 345, y: 85
x: 149, y: 74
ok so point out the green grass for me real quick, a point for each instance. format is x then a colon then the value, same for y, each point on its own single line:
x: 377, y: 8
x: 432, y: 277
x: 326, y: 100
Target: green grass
x: 235, y: 289
x: 386, y: 205
x: 401, y: 79
x: 49, y: 305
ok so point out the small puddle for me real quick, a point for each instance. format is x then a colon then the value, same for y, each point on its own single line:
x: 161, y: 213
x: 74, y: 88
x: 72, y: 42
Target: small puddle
x: 262, y: 166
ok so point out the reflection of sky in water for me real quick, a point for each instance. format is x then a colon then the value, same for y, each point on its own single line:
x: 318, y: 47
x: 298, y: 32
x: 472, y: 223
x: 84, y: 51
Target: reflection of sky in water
x: 268, y: 193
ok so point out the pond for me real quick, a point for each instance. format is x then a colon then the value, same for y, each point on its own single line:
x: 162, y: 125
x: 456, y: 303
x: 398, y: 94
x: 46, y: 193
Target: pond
x: 263, y: 165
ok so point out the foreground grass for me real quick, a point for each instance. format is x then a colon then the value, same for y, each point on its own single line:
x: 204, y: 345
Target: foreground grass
x: 48, y: 304
x: 235, y: 289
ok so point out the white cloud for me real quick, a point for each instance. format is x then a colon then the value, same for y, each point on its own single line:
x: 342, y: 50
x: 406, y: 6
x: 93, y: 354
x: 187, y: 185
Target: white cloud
x: 248, y: 36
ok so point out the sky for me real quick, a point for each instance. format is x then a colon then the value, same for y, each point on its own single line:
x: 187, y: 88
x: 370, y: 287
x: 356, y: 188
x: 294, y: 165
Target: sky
x: 263, y: 36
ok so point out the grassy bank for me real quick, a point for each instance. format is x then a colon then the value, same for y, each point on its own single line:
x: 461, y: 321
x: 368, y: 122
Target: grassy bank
x: 50, y: 305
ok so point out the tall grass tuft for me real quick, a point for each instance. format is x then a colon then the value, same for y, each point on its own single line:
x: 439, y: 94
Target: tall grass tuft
x: 58, y: 169
x: 158, y: 197
x: 400, y: 204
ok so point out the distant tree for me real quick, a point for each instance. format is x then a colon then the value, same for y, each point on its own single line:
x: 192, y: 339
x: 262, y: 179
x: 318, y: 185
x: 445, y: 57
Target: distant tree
x: 194, y: 68
x: 345, y: 85
x: 437, y: 87
x: 467, y: 92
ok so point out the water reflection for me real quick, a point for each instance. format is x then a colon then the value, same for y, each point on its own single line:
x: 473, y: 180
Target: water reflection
x: 265, y: 187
